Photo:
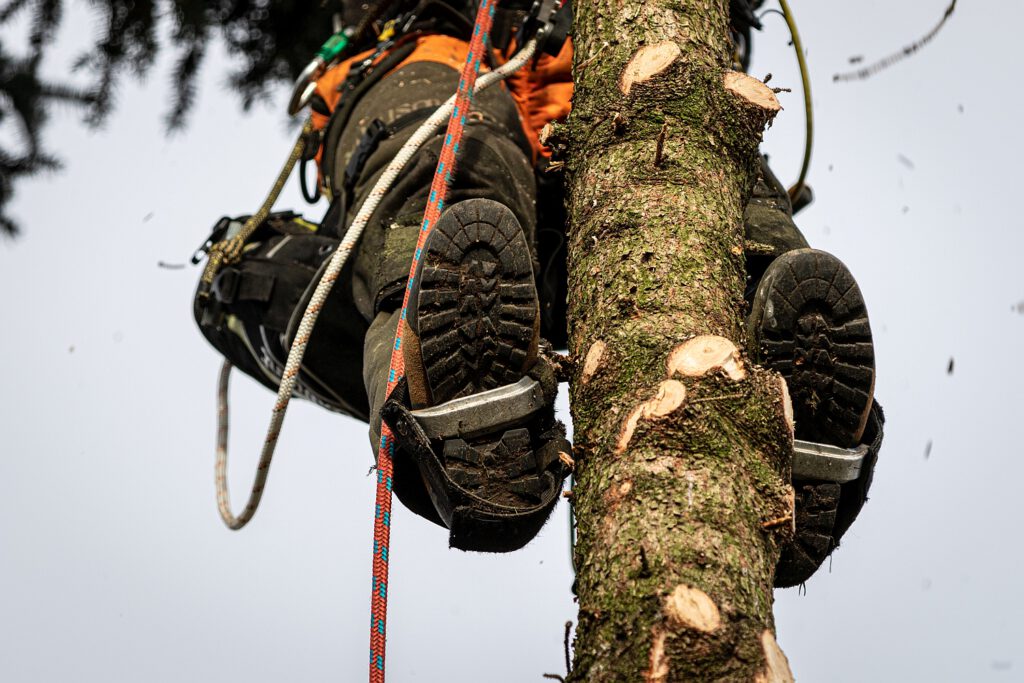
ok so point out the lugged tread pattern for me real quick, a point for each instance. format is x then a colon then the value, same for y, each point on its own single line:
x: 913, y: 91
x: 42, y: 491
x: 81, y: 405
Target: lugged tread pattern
x: 816, y: 506
x: 476, y: 305
x: 474, y: 309
x: 815, y: 332
x: 810, y: 324
x: 503, y: 471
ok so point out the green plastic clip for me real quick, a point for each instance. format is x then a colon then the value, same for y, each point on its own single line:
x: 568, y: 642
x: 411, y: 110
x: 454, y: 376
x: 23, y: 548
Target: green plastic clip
x: 334, y: 46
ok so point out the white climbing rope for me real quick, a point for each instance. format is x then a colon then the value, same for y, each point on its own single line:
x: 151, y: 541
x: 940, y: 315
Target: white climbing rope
x: 298, y: 349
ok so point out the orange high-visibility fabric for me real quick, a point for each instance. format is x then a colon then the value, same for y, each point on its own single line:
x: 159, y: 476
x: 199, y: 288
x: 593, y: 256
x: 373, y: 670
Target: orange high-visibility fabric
x: 432, y: 48
x: 542, y: 94
x: 327, y: 87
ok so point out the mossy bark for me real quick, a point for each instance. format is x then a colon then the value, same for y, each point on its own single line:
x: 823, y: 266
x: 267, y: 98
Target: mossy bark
x: 682, y: 494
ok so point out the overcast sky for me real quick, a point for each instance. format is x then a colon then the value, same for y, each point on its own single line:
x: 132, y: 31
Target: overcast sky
x: 114, y: 565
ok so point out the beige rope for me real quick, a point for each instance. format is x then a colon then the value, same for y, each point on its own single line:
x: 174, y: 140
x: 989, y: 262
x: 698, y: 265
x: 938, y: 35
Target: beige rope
x: 228, y: 251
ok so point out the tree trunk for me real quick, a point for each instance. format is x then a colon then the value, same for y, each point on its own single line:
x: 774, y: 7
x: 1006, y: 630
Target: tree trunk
x: 682, y: 445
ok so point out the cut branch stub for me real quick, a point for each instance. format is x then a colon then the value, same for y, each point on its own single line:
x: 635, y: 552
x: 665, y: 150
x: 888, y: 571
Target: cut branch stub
x: 592, y: 363
x: 691, y: 608
x: 754, y: 101
x: 658, y: 669
x: 752, y: 91
x: 787, y: 407
x: 567, y: 460
x: 546, y: 133
x: 671, y: 395
x: 700, y: 355
x: 776, y: 668
x: 648, y: 62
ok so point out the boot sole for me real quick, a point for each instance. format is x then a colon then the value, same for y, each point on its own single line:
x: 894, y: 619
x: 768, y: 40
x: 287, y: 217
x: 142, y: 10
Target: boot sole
x: 475, y: 311
x: 817, y: 504
x: 814, y: 331
x: 475, y: 308
x: 812, y: 327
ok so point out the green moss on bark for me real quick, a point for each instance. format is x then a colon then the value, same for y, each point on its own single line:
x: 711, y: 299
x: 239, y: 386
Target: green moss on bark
x: 655, y: 259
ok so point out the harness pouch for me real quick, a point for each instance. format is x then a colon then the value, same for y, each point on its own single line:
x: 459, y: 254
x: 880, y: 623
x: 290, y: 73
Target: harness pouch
x: 254, y: 307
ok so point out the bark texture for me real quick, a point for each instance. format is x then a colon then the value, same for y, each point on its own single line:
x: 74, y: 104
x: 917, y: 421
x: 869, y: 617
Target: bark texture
x: 682, y: 446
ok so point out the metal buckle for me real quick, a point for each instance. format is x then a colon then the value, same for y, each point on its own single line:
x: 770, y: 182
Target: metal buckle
x: 824, y: 462
x: 540, y: 23
x: 225, y: 285
x: 220, y: 229
x: 484, y: 413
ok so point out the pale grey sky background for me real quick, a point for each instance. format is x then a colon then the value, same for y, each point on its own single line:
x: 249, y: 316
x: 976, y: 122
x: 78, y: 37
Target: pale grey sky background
x: 114, y: 565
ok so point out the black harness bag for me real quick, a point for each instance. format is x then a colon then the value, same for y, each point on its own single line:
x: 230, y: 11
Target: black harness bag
x: 253, y: 308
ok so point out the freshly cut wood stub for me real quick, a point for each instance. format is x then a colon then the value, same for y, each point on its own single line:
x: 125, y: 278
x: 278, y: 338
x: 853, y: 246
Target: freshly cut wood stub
x: 567, y: 460
x: 776, y: 666
x: 752, y: 90
x: 691, y: 608
x: 671, y: 395
x: 791, y: 505
x: 592, y: 363
x: 787, y: 406
x: 700, y: 355
x: 658, y: 670
x: 648, y: 62
x: 545, y: 134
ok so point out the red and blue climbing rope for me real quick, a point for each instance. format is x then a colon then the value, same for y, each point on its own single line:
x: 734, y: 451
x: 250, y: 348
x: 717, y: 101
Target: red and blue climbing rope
x: 385, y: 466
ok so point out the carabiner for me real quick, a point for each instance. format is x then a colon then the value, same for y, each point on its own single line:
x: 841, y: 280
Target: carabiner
x: 305, y: 84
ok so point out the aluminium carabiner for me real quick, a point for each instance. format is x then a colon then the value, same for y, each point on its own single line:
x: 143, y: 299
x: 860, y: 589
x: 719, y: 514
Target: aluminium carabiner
x: 305, y: 84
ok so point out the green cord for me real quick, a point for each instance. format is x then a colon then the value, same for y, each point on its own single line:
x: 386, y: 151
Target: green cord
x: 794, y: 191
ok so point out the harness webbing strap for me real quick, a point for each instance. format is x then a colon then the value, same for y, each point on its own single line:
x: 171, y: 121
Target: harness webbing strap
x: 385, y: 466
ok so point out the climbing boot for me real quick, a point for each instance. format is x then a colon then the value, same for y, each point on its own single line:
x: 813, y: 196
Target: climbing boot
x: 476, y: 410
x: 769, y: 230
x: 808, y: 321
